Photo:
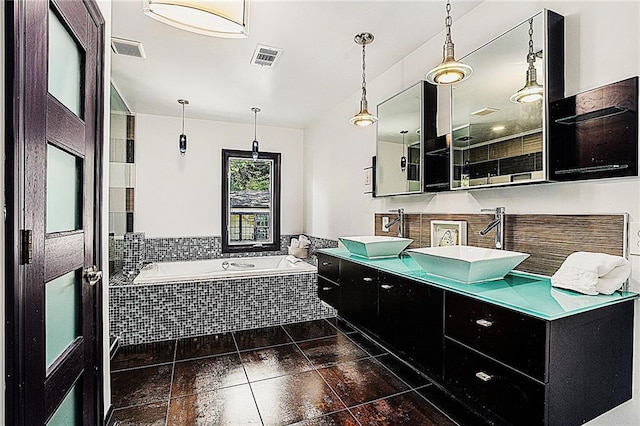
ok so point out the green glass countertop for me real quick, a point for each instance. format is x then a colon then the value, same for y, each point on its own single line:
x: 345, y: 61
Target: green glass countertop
x: 527, y: 293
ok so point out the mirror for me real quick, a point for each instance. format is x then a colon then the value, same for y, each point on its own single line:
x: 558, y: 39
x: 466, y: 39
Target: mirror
x: 399, y: 143
x: 495, y: 139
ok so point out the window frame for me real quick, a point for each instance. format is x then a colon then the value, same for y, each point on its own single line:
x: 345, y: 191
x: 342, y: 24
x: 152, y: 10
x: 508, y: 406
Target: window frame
x: 227, y: 155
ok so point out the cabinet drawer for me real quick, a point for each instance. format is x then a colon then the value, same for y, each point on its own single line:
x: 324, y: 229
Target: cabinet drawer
x: 508, y: 336
x: 492, y: 388
x: 329, y: 292
x: 329, y: 267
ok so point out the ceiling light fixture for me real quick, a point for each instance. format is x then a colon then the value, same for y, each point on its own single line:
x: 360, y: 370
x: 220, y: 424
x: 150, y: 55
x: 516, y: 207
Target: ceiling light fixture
x: 254, y: 145
x: 216, y: 18
x: 403, y: 159
x: 363, y: 118
x: 531, y: 91
x: 183, y: 137
x: 449, y: 71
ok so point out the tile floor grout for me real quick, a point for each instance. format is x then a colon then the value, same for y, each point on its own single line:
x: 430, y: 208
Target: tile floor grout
x: 253, y: 395
x: 173, y: 370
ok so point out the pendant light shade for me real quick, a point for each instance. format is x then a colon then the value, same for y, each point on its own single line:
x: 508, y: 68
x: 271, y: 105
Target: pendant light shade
x: 364, y: 117
x: 183, y: 137
x: 449, y: 71
x: 254, y: 145
x: 532, y: 91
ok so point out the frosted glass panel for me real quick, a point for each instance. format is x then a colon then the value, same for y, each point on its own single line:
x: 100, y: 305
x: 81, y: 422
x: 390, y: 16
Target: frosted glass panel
x: 62, y: 313
x: 69, y: 413
x: 63, y: 191
x: 65, y: 66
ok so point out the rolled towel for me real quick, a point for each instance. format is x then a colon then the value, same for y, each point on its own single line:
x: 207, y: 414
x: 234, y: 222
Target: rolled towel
x: 592, y: 273
x: 304, y: 242
x: 294, y: 243
x: 293, y: 259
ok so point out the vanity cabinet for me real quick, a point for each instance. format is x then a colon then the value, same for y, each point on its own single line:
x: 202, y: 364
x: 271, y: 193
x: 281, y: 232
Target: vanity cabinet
x: 329, y: 280
x: 512, y: 366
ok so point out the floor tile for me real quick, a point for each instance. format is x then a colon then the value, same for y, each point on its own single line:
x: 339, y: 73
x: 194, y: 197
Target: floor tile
x: 341, y: 418
x: 403, y: 371
x: 289, y: 399
x: 145, y: 354
x: 207, y: 374
x: 368, y: 345
x: 357, y: 382
x: 406, y: 409
x: 310, y: 330
x: 229, y: 406
x: 341, y: 325
x: 140, y: 386
x: 459, y: 412
x: 275, y: 361
x: 150, y: 414
x: 261, y: 337
x: 331, y: 350
x: 196, y: 347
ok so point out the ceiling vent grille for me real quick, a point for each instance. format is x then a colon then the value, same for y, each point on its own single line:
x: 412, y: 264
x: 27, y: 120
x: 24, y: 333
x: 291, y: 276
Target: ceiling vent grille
x: 266, y: 56
x: 121, y: 46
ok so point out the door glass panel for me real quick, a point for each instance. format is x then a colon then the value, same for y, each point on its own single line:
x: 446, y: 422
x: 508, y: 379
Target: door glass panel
x: 65, y: 66
x: 62, y: 313
x: 63, y: 190
x: 70, y: 411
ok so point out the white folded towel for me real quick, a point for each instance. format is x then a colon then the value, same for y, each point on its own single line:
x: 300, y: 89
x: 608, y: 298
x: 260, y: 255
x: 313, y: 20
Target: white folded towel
x: 293, y: 259
x: 303, y: 241
x: 592, y: 273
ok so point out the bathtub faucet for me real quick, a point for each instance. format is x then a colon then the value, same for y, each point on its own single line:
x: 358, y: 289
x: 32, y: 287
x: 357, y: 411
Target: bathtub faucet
x: 399, y: 220
x: 498, y: 223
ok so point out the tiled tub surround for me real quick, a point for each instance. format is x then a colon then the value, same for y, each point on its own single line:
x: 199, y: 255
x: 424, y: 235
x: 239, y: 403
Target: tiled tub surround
x: 151, y: 313
x: 137, y: 249
x: 549, y: 239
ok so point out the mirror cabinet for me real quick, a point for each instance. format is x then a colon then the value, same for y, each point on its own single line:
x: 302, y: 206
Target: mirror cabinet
x: 493, y: 139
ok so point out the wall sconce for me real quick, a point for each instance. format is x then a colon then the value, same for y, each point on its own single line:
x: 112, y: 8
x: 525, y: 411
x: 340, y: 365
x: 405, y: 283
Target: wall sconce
x: 403, y: 159
x: 183, y: 137
x: 449, y: 71
x: 217, y: 18
x: 254, y: 145
x: 531, y: 91
x: 363, y: 118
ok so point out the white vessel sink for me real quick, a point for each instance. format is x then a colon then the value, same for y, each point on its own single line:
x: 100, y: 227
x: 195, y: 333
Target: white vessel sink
x: 373, y: 247
x: 467, y: 264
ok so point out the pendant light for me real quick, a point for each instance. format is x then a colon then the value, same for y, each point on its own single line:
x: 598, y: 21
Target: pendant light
x: 449, y: 71
x: 254, y: 145
x: 531, y: 91
x: 363, y: 118
x: 403, y: 159
x: 183, y: 137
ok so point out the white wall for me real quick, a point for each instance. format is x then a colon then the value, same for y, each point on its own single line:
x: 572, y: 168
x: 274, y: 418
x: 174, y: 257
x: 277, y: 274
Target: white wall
x: 181, y: 196
x: 602, y: 46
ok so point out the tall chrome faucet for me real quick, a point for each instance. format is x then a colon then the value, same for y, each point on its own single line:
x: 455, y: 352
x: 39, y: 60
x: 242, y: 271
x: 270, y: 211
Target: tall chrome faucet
x: 498, y: 223
x: 399, y: 220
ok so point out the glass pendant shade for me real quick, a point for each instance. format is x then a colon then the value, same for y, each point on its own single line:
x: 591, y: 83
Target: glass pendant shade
x: 364, y: 117
x: 217, y: 18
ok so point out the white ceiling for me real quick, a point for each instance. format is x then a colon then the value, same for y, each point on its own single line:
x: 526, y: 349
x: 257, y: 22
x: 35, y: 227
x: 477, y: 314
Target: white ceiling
x: 320, y: 66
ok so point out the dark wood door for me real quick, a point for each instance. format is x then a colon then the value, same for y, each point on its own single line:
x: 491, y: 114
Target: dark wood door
x: 411, y: 321
x: 53, y: 310
x: 359, y: 295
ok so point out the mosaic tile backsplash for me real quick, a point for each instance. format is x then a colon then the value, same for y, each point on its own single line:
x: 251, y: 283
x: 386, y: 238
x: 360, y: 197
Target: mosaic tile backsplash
x: 151, y: 313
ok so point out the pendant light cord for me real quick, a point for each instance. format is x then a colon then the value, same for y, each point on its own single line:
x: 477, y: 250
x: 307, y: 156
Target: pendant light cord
x: 447, y: 23
x: 255, y: 124
x: 364, y: 81
x: 182, y: 118
x: 531, y: 57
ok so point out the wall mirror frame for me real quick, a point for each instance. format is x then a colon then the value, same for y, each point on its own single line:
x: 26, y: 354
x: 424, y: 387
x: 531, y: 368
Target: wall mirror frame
x: 399, y: 143
x: 495, y: 140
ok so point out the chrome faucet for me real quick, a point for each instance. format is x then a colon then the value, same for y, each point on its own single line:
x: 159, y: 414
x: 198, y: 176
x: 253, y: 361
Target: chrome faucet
x: 399, y: 220
x: 498, y: 223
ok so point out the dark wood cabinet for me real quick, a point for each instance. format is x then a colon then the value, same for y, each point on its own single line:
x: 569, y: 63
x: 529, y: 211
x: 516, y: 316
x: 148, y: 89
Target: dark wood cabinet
x: 359, y: 295
x: 410, y: 321
x: 329, y: 280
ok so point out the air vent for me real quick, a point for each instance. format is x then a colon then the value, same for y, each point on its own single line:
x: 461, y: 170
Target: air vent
x: 266, y: 56
x: 121, y: 46
x: 485, y: 111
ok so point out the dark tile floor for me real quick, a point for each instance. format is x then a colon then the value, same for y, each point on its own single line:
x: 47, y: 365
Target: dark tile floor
x: 311, y: 373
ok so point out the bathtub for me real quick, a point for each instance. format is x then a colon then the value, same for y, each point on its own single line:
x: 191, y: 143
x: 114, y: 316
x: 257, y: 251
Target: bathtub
x: 205, y: 270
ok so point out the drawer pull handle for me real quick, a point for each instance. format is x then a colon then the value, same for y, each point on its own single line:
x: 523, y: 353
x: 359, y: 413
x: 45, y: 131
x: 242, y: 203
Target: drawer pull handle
x: 483, y: 376
x: 386, y: 287
x: 367, y: 279
x: 484, y: 323
x: 326, y: 288
x: 326, y: 263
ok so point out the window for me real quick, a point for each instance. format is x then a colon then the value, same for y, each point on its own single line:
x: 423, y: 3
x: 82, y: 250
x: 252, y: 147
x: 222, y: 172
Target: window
x: 250, y: 202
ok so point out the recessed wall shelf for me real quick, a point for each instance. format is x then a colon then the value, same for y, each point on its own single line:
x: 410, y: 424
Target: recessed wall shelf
x: 601, y: 113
